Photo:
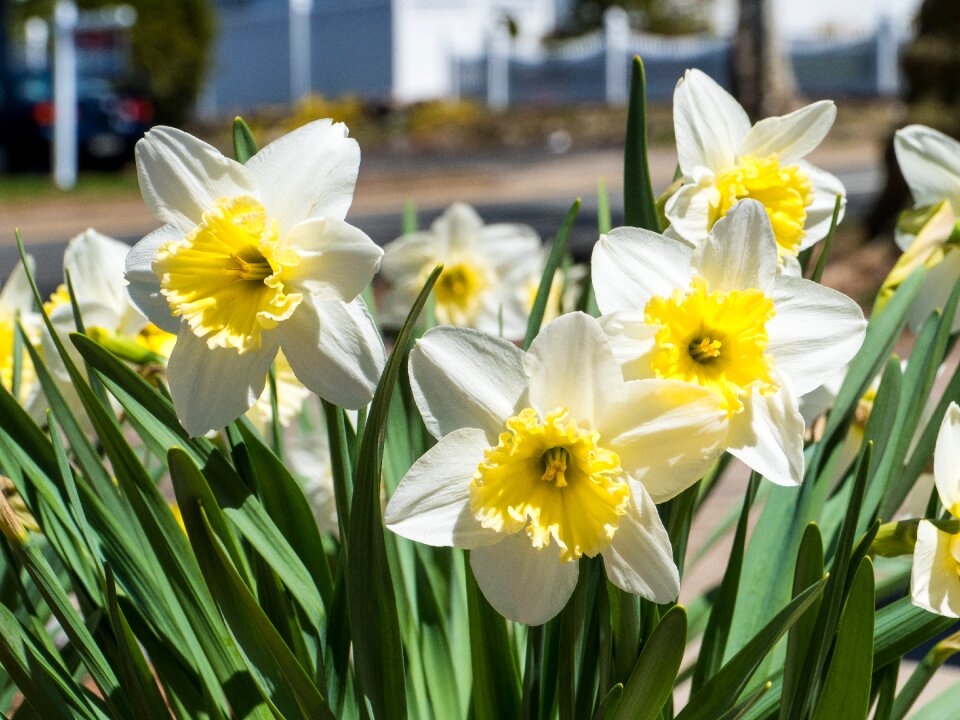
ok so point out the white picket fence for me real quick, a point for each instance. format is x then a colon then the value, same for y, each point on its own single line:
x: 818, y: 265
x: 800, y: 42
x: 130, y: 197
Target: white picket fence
x: 595, y: 68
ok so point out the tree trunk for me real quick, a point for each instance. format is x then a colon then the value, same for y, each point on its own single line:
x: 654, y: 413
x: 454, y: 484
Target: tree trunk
x: 931, y: 68
x: 763, y: 79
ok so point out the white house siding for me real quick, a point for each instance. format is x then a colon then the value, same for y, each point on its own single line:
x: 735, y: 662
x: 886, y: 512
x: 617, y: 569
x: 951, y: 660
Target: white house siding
x: 823, y: 18
x: 429, y: 33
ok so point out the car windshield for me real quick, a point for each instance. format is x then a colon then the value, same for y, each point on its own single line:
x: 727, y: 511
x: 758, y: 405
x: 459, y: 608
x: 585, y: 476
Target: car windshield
x: 39, y: 88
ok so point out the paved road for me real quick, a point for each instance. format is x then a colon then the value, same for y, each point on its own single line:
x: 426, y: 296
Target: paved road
x: 543, y: 215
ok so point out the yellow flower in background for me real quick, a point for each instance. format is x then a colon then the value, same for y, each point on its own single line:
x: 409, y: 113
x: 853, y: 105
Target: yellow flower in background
x: 483, y: 265
x: 935, y: 580
x: 16, y: 301
x: 724, y: 159
x: 95, y: 264
x: 255, y: 259
x: 291, y: 395
x: 720, y: 316
x: 547, y: 456
x: 929, y: 235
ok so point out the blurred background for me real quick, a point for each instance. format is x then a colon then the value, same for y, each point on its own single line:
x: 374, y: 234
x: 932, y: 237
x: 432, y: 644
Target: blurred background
x: 516, y: 106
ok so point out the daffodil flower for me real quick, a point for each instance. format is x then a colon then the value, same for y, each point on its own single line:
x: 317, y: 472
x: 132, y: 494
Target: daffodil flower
x: 930, y: 162
x: 253, y: 259
x: 935, y: 580
x: 725, y: 159
x: 16, y: 300
x: 546, y: 456
x: 721, y: 317
x: 478, y: 286
x: 95, y: 265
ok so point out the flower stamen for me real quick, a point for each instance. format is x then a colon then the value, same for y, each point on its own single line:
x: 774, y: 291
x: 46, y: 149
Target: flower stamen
x: 705, y: 349
x: 226, y: 278
x: 555, y: 465
x: 715, y: 339
x: 784, y: 190
x: 552, y: 479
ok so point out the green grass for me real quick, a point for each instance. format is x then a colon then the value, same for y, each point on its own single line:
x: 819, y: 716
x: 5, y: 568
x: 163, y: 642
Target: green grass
x: 31, y: 186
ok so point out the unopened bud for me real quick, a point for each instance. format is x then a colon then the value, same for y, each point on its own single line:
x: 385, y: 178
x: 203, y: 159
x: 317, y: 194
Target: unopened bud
x: 10, y: 524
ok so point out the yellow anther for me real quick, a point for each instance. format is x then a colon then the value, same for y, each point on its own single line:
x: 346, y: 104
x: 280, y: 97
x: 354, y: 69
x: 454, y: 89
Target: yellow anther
x: 555, y: 465
x: 553, y: 480
x: 705, y: 349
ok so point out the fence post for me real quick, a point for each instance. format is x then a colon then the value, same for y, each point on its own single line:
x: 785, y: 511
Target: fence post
x: 65, y: 18
x: 300, y: 48
x: 888, y: 58
x: 616, y: 37
x: 498, y: 68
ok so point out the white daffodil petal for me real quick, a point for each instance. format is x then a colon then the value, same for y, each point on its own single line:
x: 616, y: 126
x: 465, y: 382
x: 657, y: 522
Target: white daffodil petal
x: 95, y: 263
x: 431, y: 505
x: 181, y: 177
x: 815, y: 403
x: 211, y: 388
x: 411, y: 256
x: 632, y: 341
x: 768, y: 436
x: 143, y: 285
x: 630, y: 266
x: 310, y: 172
x: 741, y: 251
x: 570, y: 365
x: 709, y: 124
x: 459, y: 224
x: 934, y: 581
x: 464, y: 378
x: 935, y: 291
x: 522, y: 583
x: 666, y: 433
x: 791, y: 136
x: 509, y: 245
x: 17, y: 293
x: 815, y: 332
x: 334, y: 349
x: 94, y: 314
x: 946, y: 460
x: 930, y: 162
x: 639, y: 559
x: 826, y: 187
x: 336, y: 260
x: 688, y: 211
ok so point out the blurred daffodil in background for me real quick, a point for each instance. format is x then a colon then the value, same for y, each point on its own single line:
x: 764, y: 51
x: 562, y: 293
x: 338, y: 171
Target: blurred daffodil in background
x: 929, y: 234
x: 485, y: 277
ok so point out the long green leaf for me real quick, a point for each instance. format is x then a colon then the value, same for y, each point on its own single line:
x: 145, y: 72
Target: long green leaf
x: 882, y: 333
x: 284, y: 501
x: 496, y: 683
x: 244, y: 144
x: 846, y: 689
x: 554, y: 259
x: 718, y: 627
x: 639, y: 203
x: 46, y: 686
x: 374, y: 623
x: 263, y: 646
x: 808, y: 686
x: 651, y: 683
x: 808, y: 570
x: 922, y: 675
x: 723, y: 689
